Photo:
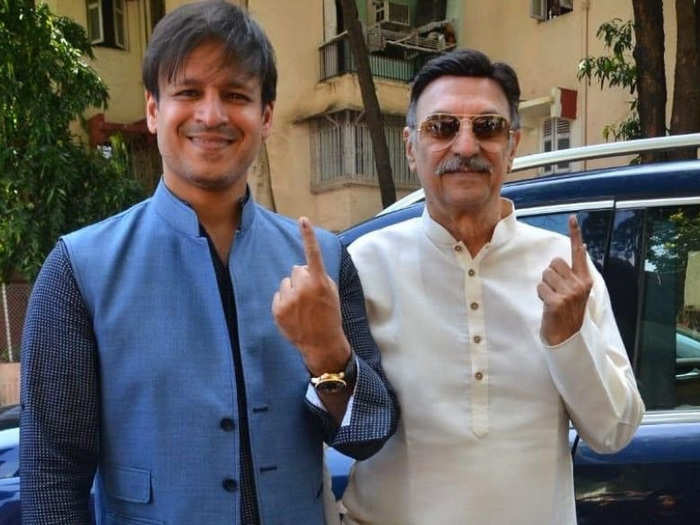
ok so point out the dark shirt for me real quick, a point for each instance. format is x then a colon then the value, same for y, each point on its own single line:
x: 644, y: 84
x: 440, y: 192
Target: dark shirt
x: 249, y: 501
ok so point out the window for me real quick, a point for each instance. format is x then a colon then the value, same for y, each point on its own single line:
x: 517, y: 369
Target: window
x: 342, y: 150
x: 556, y: 136
x: 669, y: 332
x: 547, y: 9
x: 106, y: 21
x: 595, y: 227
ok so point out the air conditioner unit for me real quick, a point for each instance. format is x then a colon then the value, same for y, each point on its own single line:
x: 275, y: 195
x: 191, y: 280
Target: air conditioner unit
x: 391, y: 12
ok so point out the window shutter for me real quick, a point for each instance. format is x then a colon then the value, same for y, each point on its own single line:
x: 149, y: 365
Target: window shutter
x: 119, y: 23
x: 538, y: 9
x: 95, y: 27
x: 563, y: 140
x: 556, y: 136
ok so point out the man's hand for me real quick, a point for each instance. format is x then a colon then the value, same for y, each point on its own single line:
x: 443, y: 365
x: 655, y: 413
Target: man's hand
x: 564, y: 291
x: 307, y: 310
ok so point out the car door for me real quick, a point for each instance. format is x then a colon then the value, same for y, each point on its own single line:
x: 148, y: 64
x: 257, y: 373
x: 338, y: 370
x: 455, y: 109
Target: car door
x: 653, y: 273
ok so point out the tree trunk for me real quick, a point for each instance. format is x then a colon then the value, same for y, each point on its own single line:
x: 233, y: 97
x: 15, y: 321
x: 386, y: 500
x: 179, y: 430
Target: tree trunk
x: 651, y: 73
x: 373, y: 115
x: 685, y: 117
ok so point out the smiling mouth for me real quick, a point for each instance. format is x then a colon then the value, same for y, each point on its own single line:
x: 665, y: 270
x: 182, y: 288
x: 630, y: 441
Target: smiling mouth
x: 210, y: 142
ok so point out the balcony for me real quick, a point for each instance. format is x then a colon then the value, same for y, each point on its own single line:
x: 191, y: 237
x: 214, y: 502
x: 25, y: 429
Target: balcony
x: 337, y: 59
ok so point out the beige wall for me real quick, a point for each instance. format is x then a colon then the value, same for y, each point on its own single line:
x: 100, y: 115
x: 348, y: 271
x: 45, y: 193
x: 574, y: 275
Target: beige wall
x: 120, y: 69
x: 545, y: 55
x: 296, y: 33
x: 9, y: 383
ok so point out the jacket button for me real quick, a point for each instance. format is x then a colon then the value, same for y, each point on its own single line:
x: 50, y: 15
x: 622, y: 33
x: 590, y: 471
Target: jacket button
x: 227, y: 424
x: 230, y: 485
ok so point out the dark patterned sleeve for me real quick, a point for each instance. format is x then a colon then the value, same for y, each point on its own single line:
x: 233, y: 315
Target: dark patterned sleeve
x: 375, y: 410
x: 59, y: 437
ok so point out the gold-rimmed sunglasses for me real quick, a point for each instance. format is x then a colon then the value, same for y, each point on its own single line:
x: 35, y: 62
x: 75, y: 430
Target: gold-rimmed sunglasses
x: 440, y: 130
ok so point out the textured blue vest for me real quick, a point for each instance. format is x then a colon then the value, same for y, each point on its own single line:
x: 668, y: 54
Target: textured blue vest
x: 166, y: 368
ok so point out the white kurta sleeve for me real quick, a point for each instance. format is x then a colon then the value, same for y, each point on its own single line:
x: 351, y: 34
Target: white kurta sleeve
x: 592, y: 372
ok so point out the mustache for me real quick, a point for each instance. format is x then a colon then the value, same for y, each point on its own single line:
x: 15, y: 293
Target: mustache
x: 222, y: 130
x: 475, y: 163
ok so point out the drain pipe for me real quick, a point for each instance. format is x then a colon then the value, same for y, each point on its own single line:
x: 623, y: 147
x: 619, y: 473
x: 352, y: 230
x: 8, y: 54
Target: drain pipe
x: 7, y: 322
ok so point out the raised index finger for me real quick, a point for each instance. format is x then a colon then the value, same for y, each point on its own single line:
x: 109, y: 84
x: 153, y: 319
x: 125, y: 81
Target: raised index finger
x: 579, y: 262
x: 314, y: 261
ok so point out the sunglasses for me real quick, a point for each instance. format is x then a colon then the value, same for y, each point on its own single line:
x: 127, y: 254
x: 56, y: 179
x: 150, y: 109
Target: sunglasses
x: 441, y: 129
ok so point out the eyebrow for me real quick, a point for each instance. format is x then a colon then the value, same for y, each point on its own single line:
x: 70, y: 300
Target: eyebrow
x: 440, y: 112
x: 195, y: 82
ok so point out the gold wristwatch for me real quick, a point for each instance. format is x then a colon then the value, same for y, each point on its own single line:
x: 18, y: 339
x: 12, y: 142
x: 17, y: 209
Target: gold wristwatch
x: 334, y: 382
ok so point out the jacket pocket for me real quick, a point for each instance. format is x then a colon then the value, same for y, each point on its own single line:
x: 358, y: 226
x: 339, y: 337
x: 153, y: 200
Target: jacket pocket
x: 128, y: 484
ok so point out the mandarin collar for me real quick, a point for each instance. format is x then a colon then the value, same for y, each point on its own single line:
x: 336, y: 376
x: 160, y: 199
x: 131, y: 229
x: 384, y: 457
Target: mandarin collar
x: 502, y: 233
x: 182, y: 217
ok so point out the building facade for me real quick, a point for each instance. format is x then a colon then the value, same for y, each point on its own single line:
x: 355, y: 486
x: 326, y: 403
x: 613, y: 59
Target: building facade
x: 318, y: 160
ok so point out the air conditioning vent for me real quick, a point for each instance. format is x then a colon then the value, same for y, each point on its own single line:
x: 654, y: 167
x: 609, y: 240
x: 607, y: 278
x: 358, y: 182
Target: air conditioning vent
x: 393, y: 13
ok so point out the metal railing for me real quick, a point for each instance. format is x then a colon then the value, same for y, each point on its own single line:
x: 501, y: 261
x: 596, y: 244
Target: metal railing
x: 14, y: 298
x: 596, y: 151
x: 337, y: 59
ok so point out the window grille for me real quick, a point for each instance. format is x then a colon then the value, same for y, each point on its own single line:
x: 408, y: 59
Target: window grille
x: 342, y: 150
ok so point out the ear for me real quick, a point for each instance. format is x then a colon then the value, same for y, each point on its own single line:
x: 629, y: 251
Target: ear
x: 151, y: 112
x: 513, y: 146
x: 409, y: 140
x: 267, y: 119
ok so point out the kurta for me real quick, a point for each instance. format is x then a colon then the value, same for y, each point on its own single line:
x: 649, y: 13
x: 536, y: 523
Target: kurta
x: 485, y: 403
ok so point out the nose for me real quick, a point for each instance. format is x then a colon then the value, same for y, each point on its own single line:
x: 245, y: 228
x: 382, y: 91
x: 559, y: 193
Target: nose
x: 211, y: 110
x: 465, y: 143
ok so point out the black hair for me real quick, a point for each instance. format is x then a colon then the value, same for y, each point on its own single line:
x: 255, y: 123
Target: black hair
x: 187, y: 27
x: 466, y: 63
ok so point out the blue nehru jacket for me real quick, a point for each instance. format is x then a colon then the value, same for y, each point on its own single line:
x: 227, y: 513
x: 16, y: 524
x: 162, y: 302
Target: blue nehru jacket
x: 165, y: 373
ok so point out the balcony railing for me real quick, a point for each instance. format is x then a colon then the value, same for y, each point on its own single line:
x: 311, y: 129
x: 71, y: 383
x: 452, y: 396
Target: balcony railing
x: 337, y: 59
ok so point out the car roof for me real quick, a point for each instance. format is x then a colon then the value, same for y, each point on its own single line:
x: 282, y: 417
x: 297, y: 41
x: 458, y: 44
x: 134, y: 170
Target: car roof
x: 643, y: 181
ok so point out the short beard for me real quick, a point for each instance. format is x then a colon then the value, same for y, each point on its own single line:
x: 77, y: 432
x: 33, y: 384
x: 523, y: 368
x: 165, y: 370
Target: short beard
x: 475, y: 163
x: 217, y: 184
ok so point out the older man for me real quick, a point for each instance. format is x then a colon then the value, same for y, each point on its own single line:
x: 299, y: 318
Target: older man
x: 488, y: 375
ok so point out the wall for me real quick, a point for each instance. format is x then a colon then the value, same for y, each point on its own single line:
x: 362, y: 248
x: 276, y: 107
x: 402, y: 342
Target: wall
x: 546, y: 55
x: 120, y: 69
x: 9, y: 383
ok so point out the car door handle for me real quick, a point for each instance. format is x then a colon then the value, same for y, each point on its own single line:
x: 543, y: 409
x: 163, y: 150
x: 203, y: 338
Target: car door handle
x: 689, y: 376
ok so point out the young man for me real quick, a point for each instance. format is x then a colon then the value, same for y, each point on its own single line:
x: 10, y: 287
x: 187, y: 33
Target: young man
x: 154, y: 353
x: 487, y: 374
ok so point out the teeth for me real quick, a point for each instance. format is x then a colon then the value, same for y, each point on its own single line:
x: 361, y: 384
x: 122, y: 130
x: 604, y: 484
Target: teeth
x: 199, y: 140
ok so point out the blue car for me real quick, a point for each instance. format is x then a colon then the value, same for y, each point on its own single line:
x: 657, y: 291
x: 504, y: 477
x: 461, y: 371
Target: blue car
x: 9, y: 476
x: 642, y: 228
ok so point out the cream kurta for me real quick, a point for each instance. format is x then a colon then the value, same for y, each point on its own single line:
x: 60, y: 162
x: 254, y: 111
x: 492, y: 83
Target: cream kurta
x: 485, y: 404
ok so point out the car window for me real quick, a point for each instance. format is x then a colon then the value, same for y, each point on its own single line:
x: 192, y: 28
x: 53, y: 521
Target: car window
x: 595, y: 227
x: 669, y: 338
x: 622, y: 268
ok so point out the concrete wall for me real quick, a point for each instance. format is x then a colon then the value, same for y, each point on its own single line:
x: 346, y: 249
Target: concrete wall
x: 119, y: 68
x: 545, y: 55
x: 9, y: 383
